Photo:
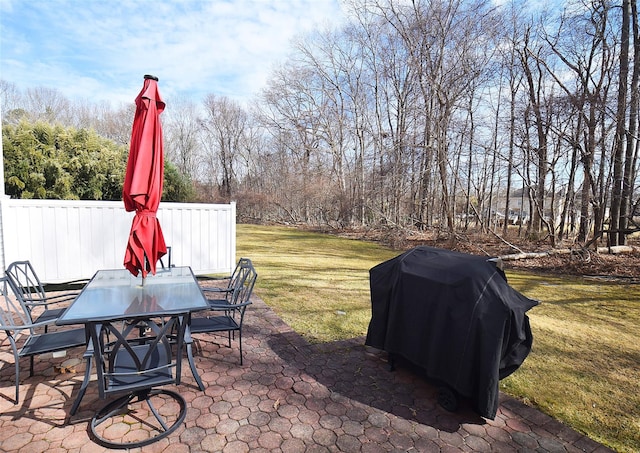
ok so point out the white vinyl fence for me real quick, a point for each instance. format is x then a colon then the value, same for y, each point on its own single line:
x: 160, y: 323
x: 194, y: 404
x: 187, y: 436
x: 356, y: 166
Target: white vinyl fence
x: 68, y: 239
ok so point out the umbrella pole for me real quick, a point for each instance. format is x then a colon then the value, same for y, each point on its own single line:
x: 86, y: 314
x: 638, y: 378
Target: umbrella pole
x: 145, y: 264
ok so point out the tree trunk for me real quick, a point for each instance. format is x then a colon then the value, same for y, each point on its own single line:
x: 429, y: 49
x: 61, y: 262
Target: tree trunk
x: 631, y: 139
x: 616, y: 235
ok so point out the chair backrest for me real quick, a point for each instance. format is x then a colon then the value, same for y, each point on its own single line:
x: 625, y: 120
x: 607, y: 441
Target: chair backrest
x: 244, y: 287
x: 12, y: 310
x: 239, y: 272
x: 237, y: 277
x: 23, y: 279
x: 168, y: 257
x: 127, y: 362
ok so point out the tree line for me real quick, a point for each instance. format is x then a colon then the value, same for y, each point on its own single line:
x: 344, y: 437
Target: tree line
x: 421, y: 114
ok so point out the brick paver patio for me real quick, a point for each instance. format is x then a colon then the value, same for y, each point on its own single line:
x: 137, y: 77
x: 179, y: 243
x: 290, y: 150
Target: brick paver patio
x: 289, y: 396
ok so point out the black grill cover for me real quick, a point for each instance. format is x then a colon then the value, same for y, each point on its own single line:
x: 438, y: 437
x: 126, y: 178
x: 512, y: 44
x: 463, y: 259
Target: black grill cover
x: 455, y: 316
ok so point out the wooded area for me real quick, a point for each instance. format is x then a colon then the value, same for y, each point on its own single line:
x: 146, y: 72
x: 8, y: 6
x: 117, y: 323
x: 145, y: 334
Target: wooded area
x: 440, y: 114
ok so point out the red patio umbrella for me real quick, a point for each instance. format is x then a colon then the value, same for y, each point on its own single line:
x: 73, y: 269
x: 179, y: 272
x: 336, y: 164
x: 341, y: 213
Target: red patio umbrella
x: 143, y: 181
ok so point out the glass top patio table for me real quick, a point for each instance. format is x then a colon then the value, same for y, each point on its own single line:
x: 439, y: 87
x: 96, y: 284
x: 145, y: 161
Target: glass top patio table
x: 116, y: 294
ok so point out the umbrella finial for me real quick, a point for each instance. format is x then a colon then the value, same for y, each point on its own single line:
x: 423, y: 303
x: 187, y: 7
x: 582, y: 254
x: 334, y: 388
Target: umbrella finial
x: 152, y: 77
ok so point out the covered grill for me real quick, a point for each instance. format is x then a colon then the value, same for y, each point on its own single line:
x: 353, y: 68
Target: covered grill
x: 453, y: 315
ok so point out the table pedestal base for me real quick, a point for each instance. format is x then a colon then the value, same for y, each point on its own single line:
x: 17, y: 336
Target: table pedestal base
x: 148, y: 423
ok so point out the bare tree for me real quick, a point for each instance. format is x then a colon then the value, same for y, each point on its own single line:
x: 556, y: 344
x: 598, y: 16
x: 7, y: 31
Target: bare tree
x: 624, y: 149
x: 631, y: 160
x: 291, y: 110
x: 10, y: 102
x: 48, y: 104
x: 223, y: 127
x: 509, y: 57
x: 442, y: 41
x: 182, y: 138
x: 530, y: 58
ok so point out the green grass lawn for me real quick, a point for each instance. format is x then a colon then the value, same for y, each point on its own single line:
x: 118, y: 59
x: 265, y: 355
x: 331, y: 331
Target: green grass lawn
x: 584, y: 367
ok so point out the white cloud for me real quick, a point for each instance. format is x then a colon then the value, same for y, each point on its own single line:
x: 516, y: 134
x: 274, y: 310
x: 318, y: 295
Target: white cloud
x: 99, y: 49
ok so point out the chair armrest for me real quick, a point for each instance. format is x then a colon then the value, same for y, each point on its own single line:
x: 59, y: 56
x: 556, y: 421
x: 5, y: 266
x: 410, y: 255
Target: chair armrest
x: 49, y: 300
x: 67, y: 295
x: 223, y: 307
x: 217, y: 290
x: 33, y: 325
x: 64, y: 286
x: 75, y: 282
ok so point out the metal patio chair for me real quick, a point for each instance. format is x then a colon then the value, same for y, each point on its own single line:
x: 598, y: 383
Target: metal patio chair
x: 41, y: 306
x: 232, y: 309
x: 16, y: 322
x: 132, y: 367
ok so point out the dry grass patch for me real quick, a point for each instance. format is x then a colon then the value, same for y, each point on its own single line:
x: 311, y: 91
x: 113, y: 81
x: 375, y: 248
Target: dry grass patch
x: 584, y: 368
x: 318, y: 284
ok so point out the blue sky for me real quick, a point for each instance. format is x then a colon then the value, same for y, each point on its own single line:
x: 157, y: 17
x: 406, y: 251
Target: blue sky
x: 100, y: 49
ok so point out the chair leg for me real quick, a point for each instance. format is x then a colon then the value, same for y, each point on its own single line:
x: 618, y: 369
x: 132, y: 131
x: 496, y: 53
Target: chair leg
x: 17, y: 362
x: 192, y: 365
x: 240, y: 344
x: 17, y: 381
x: 31, y: 366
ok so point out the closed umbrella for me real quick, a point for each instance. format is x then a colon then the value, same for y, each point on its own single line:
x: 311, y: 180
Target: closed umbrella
x: 143, y: 181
